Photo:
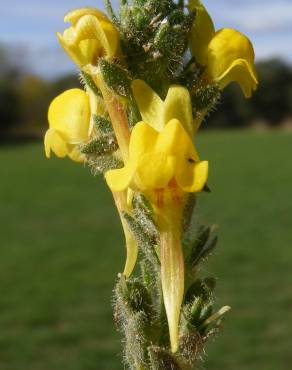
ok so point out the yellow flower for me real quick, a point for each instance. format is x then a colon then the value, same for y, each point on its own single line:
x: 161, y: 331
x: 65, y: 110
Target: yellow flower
x: 231, y: 58
x: 163, y: 163
x: 90, y: 37
x: 227, y: 54
x: 156, y: 158
x: 69, y: 124
x: 160, y: 147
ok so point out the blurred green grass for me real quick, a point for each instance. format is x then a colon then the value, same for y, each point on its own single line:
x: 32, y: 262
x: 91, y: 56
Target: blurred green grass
x: 61, y: 249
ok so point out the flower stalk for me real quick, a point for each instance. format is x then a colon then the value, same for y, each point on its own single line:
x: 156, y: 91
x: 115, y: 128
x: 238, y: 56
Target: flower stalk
x: 151, y: 75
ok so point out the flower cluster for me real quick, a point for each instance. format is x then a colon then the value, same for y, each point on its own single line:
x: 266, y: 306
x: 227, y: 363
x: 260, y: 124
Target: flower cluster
x: 139, y: 133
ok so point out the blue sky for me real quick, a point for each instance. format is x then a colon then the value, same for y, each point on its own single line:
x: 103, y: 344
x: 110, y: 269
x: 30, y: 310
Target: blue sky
x: 31, y: 25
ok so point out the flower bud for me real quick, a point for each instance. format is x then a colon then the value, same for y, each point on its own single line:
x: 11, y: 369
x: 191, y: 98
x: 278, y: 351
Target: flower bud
x: 90, y: 37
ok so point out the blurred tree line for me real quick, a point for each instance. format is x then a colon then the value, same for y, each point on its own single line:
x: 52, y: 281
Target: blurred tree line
x: 24, y: 99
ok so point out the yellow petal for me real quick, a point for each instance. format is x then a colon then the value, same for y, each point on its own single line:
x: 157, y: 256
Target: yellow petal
x: 91, y: 36
x: 175, y: 141
x: 89, y: 27
x: 74, y: 154
x: 178, y: 105
x: 89, y: 51
x: 68, y: 36
x: 152, y: 152
x: 120, y: 179
x: 111, y: 41
x: 155, y: 170
x: 231, y: 58
x: 81, y: 52
x: 74, y: 15
x: 149, y: 103
x: 202, y: 31
x: 143, y: 138
x: 69, y: 114
x: 55, y: 143
x: 70, y: 48
x: 243, y: 73
x: 192, y: 177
